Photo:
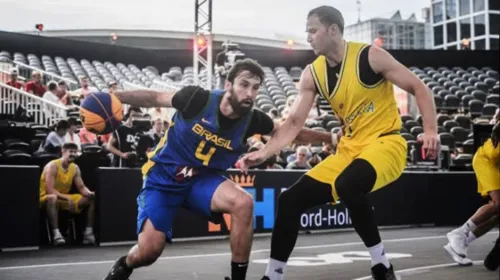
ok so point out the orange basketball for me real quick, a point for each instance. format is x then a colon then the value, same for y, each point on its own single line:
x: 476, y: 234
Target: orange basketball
x: 101, y: 113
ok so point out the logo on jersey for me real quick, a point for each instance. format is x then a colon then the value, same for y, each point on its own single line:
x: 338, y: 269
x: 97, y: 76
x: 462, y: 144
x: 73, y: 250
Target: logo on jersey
x: 211, y: 137
x: 365, y: 108
x: 183, y: 172
x: 205, y: 121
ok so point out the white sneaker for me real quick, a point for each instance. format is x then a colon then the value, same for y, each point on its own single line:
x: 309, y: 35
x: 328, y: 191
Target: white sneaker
x: 59, y: 240
x: 458, y: 242
x: 88, y: 238
x: 458, y: 259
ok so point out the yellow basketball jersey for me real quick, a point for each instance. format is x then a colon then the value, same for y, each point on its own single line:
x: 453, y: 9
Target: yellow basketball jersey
x: 367, y: 112
x: 64, y: 178
x: 489, y: 152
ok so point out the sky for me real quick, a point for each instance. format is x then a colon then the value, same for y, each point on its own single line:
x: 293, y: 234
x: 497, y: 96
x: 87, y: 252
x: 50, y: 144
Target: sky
x: 279, y: 19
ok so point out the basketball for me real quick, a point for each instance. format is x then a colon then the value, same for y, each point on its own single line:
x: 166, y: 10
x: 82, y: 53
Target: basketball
x: 101, y: 113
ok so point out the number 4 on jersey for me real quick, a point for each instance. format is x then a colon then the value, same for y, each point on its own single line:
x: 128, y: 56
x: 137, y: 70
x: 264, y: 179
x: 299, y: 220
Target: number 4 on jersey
x: 204, y: 157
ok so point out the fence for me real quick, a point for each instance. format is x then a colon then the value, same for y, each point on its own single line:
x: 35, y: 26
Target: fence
x: 44, y: 112
x: 26, y: 71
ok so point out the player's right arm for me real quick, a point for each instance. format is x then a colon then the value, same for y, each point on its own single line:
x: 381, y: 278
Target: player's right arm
x: 50, y: 181
x: 146, y: 98
x: 288, y: 131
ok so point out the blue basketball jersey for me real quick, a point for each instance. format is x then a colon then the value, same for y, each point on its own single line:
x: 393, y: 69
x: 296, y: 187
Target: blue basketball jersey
x: 199, y: 142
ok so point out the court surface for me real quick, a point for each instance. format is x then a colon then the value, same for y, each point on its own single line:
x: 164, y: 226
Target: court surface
x: 417, y: 253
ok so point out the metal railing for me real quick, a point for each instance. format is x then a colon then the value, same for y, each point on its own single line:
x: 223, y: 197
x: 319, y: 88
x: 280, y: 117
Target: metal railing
x: 44, y: 112
x: 20, y: 78
x: 26, y: 71
x: 157, y: 86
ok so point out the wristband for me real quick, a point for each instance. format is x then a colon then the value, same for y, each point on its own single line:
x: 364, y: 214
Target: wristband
x: 335, y: 139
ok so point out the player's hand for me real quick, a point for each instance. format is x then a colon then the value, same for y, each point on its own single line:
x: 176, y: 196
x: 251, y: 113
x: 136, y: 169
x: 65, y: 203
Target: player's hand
x: 90, y: 194
x: 251, y: 159
x: 431, y: 144
x: 71, y: 205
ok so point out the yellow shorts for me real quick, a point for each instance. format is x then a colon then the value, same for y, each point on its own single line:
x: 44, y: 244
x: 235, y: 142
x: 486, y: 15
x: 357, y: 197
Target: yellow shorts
x: 487, y: 174
x: 387, y: 155
x: 63, y: 204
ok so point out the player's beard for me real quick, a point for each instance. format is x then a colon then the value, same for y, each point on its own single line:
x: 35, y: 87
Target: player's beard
x: 238, y: 106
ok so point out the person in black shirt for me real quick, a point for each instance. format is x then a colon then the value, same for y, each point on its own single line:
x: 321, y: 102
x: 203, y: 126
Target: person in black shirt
x: 124, y: 141
x: 225, y: 110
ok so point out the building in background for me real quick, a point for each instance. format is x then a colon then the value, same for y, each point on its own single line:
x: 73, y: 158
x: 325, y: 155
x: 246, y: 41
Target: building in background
x: 465, y: 24
x: 392, y: 33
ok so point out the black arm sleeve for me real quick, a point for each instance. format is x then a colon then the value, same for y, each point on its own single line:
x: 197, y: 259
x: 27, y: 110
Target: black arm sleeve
x: 190, y: 100
x: 260, y: 123
x: 366, y: 73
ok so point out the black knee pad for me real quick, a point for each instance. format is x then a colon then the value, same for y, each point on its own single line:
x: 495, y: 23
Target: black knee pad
x: 358, y: 178
x: 304, y: 194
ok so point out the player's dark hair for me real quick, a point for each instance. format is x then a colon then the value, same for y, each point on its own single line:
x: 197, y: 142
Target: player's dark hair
x: 246, y: 64
x: 69, y: 146
x: 328, y: 15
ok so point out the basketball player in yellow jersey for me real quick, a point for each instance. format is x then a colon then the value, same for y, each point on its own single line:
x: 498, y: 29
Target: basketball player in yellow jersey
x: 56, y: 181
x: 357, y: 81
x: 486, y: 165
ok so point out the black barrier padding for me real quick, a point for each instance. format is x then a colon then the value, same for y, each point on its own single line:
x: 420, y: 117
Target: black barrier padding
x: 19, y: 206
x: 415, y: 198
x: 455, y: 197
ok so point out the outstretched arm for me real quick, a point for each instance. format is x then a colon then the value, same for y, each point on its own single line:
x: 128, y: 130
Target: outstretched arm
x: 308, y: 136
x: 290, y: 129
x: 146, y: 98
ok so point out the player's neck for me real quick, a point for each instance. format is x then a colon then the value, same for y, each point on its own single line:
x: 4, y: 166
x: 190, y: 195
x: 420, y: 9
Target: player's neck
x: 336, y: 55
x: 226, y: 109
x: 64, y: 163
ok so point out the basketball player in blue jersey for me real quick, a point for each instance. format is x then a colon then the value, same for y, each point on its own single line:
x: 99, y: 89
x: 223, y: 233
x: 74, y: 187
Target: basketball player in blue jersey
x: 207, y: 136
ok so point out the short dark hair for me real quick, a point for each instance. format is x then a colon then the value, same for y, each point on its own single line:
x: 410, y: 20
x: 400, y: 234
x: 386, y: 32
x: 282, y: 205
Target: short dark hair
x: 72, y: 121
x: 328, y: 15
x: 69, y: 146
x: 62, y: 124
x: 52, y: 86
x: 246, y: 64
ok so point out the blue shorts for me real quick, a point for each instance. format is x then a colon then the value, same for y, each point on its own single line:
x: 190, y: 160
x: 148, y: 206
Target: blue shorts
x: 165, y: 190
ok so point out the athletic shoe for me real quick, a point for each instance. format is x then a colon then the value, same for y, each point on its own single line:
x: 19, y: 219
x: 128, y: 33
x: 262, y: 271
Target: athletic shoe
x: 265, y: 278
x: 380, y: 272
x: 59, y: 240
x: 492, y: 260
x: 119, y: 271
x: 88, y: 238
x: 458, y: 259
x: 458, y: 242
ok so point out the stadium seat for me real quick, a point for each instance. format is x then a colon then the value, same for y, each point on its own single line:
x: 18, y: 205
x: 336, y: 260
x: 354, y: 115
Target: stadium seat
x: 409, y: 124
x: 408, y: 136
x: 481, y: 86
x: 468, y: 146
x: 405, y: 118
x: 463, y: 121
x: 441, y: 118
x: 489, y: 110
x: 18, y: 159
x: 451, y: 101
x: 493, y: 99
x: 459, y: 134
x: 441, y: 129
x: 449, y: 124
x: 489, y: 82
x: 438, y: 100
x: 460, y: 93
x: 443, y: 93
x: 463, y: 159
x: 420, y: 120
x: 466, y: 99
x: 447, y: 140
x: 476, y: 108
x: 416, y: 130
x: 493, y: 74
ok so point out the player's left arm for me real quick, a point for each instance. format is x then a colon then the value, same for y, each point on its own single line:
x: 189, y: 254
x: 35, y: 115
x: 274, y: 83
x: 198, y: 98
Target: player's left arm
x: 80, y: 185
x: 392, y: 70
x: 311, y: 136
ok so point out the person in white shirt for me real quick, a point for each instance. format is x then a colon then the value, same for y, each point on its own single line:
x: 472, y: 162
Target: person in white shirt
x: 85, y: 89
x: 72, y: 135
x: 52, y: 94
